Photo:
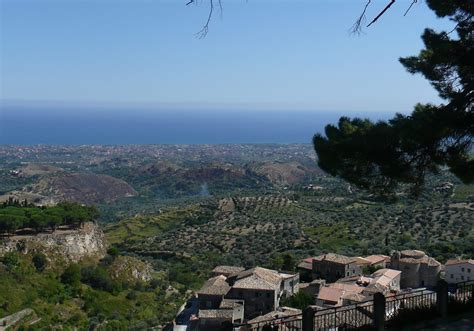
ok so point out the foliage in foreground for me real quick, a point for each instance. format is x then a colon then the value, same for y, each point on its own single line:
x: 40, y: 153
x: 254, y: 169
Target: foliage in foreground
x: 379, y: 156
x: 82, y: 296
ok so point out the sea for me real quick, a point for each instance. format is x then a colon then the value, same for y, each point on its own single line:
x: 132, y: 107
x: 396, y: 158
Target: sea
x: 39, y: 125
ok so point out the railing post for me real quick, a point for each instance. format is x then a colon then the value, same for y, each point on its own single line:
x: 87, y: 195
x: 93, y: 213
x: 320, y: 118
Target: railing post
x: 308, y: 319
x: 442, y: 298
x: 379, y: 311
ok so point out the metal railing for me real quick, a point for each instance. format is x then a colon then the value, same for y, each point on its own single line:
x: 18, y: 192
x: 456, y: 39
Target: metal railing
x: 417, y: 304
x: 351, y: 317
x: 461, y: 296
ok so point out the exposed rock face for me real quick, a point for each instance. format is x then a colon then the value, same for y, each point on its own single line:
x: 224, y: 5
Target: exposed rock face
x: 127, y: 267
x: 68, y: 245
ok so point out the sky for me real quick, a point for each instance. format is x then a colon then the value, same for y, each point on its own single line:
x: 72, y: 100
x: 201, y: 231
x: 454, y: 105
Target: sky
x: 259, y: 54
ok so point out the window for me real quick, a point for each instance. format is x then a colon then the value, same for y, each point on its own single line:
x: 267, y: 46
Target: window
x: 347, y: 273
x: 353, y: 271
x: 452, y: 276
x: 468, y: 269
x: 462, y: 269
x: 462, y: 277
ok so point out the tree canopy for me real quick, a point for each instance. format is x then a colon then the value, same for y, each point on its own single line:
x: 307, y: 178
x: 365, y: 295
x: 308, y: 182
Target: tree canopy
x: 379, y: 156
x: 15, y: 215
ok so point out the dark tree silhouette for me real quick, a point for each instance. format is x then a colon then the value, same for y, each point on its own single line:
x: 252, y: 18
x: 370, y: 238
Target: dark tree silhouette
x: 379, y: 156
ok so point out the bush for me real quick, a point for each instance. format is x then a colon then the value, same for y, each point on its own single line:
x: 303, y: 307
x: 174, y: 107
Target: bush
x: 11, y: 260
x: 72, y: 275
x: 40, y: 261
x: 113, y: 251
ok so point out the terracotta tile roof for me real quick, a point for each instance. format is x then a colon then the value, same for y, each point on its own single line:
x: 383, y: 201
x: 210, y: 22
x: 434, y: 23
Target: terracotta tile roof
x: 330, y: 294
x: 391, y: 273
x: 347, y: 287
x: 305, y: 265
x: 362, y: 261
x: 458, y: 261
x: 255, y: 282
x: 336, y: 258
x: 374, y: 259
x: 281, y: 312
x: 258, y: 278
x: 215, y: 286
x: 230, y: 303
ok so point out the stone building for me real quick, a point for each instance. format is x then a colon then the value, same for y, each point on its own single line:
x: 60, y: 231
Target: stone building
x: 212, y: 292
x: 332, y: 267
x: 418, y: 269
x: 458, y: 271
x: 261, y: 289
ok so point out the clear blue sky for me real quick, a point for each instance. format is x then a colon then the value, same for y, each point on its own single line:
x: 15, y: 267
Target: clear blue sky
x: 262, y: 54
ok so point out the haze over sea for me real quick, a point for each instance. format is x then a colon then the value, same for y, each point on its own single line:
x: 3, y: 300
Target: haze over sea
x: 37, y: 125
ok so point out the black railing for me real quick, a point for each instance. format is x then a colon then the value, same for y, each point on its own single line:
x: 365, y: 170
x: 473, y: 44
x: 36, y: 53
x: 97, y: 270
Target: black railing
x: 461, y: 297
x: 411, y: 306
x: 352, y: 317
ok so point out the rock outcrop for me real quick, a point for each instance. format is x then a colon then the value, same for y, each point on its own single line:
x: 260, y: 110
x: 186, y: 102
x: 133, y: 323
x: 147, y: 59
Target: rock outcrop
x: 68, y: 245
x: 126, y: 268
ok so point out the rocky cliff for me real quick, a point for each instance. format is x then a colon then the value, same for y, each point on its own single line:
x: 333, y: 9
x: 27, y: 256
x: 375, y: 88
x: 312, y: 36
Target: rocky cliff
x: 68, y: 245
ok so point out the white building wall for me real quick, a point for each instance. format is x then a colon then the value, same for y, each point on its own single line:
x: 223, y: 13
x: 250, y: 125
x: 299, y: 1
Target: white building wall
x: 460, y: 272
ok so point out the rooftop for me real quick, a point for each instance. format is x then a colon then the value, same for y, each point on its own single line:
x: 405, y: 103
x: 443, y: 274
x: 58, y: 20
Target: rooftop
x: 459, y: 261
x: 259, y: 278
x: 374, y: 259
x: 215, y: 286
x: 281, y: 312
x: 230, y: 303
x: 336, y: 258
x: 216, y: 313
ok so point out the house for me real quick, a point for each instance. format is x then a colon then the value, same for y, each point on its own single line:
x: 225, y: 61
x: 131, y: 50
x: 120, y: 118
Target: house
x: 381, y: 261
x: 331, y: 267
x: 337, y: 294
x: 261, y: 289
x: 212, y: 292
x: 313, y: 287
x: 228, y: 313
x: 458, y: 270
x: 418, y: 269
x: 226, y: 270
x: 305, y: 270
x: 355, y: 289
x: 386, y: 280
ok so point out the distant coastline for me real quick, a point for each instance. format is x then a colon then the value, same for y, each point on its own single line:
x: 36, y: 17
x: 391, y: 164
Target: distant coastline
x: 53, y: 126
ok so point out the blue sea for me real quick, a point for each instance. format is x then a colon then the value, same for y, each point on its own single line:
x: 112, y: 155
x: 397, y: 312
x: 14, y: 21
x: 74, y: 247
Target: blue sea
x: 38, y: 125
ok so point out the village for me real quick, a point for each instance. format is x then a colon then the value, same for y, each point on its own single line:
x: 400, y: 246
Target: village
x: 234, y: 297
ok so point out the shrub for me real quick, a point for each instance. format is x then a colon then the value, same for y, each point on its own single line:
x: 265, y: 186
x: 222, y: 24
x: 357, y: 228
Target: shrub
x: 72, y: 275
x: 40, y: 261
x: 11, y: 260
